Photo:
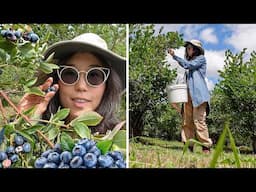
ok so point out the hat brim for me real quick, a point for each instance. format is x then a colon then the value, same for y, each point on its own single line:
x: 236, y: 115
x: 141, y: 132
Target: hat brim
x: 64, y: 48
x: 200, y: 48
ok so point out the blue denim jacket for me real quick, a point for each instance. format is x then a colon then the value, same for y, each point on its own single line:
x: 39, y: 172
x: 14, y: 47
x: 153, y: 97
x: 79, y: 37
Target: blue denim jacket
x: 196, y: 79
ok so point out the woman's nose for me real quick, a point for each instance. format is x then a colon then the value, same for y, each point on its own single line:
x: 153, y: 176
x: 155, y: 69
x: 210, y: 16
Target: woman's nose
x: 81, y: 85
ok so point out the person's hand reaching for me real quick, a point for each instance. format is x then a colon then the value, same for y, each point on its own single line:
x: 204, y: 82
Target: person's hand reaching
x: 40, y: 102
x: 171, y: 51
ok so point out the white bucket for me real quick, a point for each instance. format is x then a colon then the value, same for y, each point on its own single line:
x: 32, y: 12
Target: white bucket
x: 177, y: 93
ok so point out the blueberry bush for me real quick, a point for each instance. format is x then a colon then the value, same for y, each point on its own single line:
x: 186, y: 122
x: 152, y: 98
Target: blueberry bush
x: 25, y: 140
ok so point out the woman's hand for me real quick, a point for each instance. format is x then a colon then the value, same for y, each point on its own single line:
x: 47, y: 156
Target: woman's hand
x: 171, y: 51
x: 40, y: 102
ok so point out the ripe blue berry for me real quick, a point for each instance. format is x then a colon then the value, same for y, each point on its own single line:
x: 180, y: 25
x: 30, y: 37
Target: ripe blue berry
x: 26, y: 147
x: 40, y: 162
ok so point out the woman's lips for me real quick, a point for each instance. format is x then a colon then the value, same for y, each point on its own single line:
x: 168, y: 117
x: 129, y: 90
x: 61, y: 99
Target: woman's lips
x: 80, y: 103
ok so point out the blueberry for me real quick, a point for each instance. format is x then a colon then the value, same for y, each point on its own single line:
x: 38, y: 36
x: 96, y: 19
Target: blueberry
x: 18, y: 149
x: 3, y: 33
x: 90, y: 160
x: 95, y: 150
x: 50, y: 165
x: 83, y: 142
x: 14, y: 158
x: 50, y: 89
x: 10, y: 150
x: 76, y: 162
x: 54, y: 157
x: 26, y: 147
x: 40, y: 162
x: 10, y: 35
x: 78, y: 150
x: 116, y: 155
x: 90, y: 144
x: 65, y: 156
x: 3, y: 156
x: 19, y: 140
x: 17, y: 34
x: 105, y: 161
x: 46, y: 153
x: 120, y: 164
x: 34, y: 37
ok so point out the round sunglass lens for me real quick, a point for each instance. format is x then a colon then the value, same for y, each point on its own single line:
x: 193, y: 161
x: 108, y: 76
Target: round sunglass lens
x: 95, y: 77
x: 69, y: 75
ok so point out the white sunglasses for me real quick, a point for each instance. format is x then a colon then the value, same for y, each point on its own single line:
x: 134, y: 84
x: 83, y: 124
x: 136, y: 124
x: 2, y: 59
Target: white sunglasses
x: 94, y: 77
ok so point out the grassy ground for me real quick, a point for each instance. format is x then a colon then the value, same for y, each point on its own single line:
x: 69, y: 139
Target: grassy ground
x: 155, y: 153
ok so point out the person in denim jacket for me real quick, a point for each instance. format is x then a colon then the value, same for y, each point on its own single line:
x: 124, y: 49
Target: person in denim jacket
x: 194, y: 112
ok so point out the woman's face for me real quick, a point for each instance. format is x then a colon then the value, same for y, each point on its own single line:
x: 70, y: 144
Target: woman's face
x: 190, y: 50
x: 81, y: 97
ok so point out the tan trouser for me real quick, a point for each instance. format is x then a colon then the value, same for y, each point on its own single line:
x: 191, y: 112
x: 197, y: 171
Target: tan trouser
x: 194, y: 123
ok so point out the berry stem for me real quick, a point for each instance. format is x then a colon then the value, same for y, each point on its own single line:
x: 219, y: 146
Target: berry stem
x: 3, y: 112
x: 45, y: 121
x: 45, y: 138
x: 14, y: 107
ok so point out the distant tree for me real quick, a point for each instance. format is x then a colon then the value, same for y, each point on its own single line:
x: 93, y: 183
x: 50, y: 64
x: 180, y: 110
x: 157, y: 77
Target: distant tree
x: 148, y: 76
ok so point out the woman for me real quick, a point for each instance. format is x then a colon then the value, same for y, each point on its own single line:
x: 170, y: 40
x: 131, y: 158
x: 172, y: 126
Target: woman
x: 90, y: 78
x: 198, y: 105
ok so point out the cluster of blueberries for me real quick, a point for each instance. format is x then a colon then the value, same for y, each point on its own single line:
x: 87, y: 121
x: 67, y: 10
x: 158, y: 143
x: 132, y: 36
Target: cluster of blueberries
x: 13, y: 35
x: 11, y: 154
x: 85, y: 154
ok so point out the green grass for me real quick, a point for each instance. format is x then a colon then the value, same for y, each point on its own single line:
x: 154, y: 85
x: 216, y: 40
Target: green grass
x: 156, y: 153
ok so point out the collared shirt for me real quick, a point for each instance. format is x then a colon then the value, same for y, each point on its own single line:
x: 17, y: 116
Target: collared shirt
x: 196, y: 79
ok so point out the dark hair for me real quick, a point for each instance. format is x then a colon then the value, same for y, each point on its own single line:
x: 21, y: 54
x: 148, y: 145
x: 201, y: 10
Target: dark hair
x: 108, y: 105
x: 196, y: 52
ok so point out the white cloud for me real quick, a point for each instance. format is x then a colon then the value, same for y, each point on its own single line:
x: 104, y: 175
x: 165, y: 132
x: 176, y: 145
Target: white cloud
x: 208, y: 35
x: 243, y: 36
x: 215, y: 62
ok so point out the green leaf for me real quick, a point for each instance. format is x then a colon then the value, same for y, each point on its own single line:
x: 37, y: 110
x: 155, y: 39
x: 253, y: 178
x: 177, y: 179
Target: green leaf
x: 66, y: 142
x: 89, y: 118
x: 3, y: 55
x: 219, y: 147
x: 82, y: 130
x: 47, y: 67
x: 35, y: 91
x: 9, y: 128
x: 113, y: 132
x: 52, y: 134
x: 27, y: 48
x: 234, y: 148
x: 61, y: 114
x: 31, y: 82
x: 7, y: 45
x: 34, y: 128
x: 104, y: 146
x: 119, y: 140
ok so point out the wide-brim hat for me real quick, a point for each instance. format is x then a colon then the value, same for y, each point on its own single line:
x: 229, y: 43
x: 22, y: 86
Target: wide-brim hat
x: 195, y: 43
x: 92, y: 43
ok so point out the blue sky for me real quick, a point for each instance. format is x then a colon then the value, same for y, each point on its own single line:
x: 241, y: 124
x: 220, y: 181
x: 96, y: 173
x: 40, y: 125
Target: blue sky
x: 216, y: 39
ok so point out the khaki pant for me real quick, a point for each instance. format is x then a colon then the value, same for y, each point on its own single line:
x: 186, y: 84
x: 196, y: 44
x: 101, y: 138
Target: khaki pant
x: 194, y: 123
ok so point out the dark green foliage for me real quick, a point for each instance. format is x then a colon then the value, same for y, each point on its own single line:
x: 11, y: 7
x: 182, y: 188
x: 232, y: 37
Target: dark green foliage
x: 148, y: 77
x: 235, y: 98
